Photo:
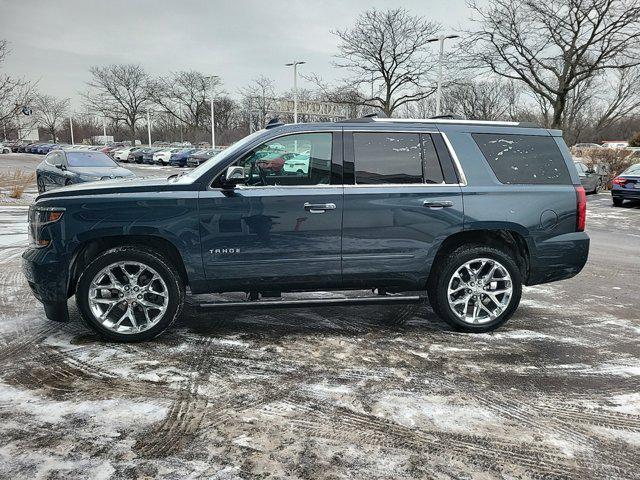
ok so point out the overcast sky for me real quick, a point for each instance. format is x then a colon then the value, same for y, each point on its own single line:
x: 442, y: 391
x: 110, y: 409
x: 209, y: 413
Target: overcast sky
x: 56, y: 42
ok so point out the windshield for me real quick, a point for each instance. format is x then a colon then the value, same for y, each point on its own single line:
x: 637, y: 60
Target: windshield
x: 218, y: 158
x: 89, y: 159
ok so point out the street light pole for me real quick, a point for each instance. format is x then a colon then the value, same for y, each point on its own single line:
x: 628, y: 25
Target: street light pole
x: 295, y: 64
x: 149, y: 127
x: 440, y: 39
x: 213, y: 123
x: 71, y: 130
x: 104, y: 130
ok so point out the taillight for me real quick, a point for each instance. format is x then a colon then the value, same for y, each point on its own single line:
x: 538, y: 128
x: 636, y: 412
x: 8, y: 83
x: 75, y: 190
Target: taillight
x: 619, y: 181
x: 581, y: 216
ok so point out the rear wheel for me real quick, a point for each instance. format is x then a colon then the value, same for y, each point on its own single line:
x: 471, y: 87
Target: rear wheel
x: 129, y: 294
x: 476, y: 288
x: 617, y: 202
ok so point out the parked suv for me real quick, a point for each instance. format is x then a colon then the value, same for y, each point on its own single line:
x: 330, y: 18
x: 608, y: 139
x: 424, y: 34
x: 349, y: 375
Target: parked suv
x: 461, y: 212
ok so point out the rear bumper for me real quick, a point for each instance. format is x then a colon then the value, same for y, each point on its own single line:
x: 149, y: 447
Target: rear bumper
x: 558, y: 258
x: 48, y: 279
x: 626, y: 193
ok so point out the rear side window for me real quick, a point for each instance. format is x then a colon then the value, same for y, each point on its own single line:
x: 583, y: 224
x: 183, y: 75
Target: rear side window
x: 524, y: 159
x: 387, y: 158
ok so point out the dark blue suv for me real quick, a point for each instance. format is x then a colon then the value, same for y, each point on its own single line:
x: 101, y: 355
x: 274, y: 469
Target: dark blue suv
x: 461, y: 212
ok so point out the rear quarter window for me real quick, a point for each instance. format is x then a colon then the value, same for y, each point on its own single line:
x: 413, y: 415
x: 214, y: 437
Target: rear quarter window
x: 524, y: 159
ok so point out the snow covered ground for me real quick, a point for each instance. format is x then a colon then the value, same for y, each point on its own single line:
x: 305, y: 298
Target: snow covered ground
x: 340, y: 392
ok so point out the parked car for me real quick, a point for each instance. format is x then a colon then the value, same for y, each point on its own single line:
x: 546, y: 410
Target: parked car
x: 63, y: 168
x: 201, y: 156
x: 589, y: 178
x: 135, y: 156
x: 179, y: 158
x: 461, y: 212
x: 147, y: 158
x: 122, y: 154
x: 297, y: 164
x: 626, y: 186
x: 161, y: 157
x: 4, y: 149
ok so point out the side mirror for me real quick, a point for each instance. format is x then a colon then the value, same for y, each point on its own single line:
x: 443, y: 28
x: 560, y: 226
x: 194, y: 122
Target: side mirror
x: 61, y: 166
x: 234, y: 176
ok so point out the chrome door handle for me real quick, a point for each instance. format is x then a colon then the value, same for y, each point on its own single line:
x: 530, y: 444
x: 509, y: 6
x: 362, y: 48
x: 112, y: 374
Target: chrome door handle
x: 441, y: 204
x: 319, y: 207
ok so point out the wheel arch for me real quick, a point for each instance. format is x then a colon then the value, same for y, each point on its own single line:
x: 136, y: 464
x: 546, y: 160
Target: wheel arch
x: 511, y: 241
x: 90, y: 249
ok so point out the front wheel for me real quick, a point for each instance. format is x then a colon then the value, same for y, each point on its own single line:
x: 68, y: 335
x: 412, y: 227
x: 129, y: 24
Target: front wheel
x: 476, y: 288
x: 41, y: 187
x: 617, y: 202
x: 130, y: 294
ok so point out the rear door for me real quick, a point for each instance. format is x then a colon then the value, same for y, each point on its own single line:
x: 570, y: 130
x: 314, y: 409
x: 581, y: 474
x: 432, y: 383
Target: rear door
x: 403, y: 199
x: 282, y: 230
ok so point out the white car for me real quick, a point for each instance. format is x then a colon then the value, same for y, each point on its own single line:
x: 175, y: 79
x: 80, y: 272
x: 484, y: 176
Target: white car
x: 122, y: 154
x: 163, y: 156
x: 4, y: 149
x: 297, y: 164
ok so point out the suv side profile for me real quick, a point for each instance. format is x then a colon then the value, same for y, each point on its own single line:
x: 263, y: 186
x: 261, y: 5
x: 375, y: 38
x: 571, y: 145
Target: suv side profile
x: 461, y: 212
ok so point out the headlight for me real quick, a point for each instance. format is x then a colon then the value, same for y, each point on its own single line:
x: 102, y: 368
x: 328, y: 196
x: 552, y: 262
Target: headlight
x: 40, y: 217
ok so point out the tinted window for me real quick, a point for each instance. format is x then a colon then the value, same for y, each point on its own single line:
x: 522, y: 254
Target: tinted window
x: 431, y: 164
x: 301, y: 159
x: 55, y: 158
x: 89, y: 159
x: 523, y: 158
x: 387, y: 158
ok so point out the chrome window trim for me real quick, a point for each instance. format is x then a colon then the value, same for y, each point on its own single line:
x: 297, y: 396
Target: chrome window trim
x: 417, y: 132
x: 456, y: 160
x: 287, y: 134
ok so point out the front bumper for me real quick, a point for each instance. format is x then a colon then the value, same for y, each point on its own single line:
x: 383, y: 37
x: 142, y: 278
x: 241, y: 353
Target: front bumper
x: 48, y: 279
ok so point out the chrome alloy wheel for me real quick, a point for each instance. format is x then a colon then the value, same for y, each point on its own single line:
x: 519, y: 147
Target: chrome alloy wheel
x: 479, y: 291
x: 128, y: 297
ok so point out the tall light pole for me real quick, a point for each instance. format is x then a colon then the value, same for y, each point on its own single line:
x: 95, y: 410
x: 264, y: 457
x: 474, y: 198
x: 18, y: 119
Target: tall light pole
x: 213, y: 123
x: 149, y: 127
x: 71, y: 129
x: 440, y: 39
x: 295, y: 64
x: 104, y: 130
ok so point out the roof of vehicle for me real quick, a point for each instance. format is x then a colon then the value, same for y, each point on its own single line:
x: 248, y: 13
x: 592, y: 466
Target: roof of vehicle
x: 445, y: 119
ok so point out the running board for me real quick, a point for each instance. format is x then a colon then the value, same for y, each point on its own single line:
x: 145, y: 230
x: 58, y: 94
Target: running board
x: 312, y: 302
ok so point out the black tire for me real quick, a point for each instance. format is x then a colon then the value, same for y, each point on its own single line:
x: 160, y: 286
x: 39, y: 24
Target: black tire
x: 41, y: 186
x: 617, y: 202
x: 439, y: 282
x: 67, y: 183
x: 164, y: 268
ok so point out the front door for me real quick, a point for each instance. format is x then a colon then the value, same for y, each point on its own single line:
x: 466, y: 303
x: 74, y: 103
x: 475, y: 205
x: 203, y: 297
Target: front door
x: 403, y: 201
x: 282, y: 229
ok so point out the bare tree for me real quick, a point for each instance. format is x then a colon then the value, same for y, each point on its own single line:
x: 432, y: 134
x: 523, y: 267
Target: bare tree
x: 119, y: 93
x: 483, y: 100
x: 184, y: 96
x: 14, y: 92
x: 553, y: 45
x: 257, y: 100
x: 388, y: 48
x: 49, y: 112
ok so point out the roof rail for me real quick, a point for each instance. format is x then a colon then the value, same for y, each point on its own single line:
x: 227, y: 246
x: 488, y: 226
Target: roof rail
x: 274, y: 123
x: 444, y: 119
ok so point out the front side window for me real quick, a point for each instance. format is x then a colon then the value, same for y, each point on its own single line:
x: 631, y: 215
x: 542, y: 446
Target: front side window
x: 55, y: 159
x: 299, y: 159
x: 524, y: 159
x: 383, y: 158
